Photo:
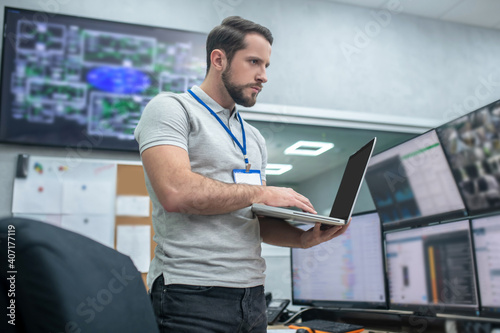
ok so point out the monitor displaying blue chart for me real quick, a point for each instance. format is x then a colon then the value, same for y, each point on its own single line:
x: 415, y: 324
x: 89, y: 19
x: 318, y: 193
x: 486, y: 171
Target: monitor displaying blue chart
x: 486, y: 231
x: 347, y: 271
x: 412, y: 183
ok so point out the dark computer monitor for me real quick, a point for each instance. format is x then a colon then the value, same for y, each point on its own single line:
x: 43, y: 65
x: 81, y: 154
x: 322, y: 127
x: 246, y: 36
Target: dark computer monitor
x: 78, y: 82
x: 431, y: 269
x: 472, y: 145
x: 486, y: 231
x: 412, y: 184
x: 346, y: 272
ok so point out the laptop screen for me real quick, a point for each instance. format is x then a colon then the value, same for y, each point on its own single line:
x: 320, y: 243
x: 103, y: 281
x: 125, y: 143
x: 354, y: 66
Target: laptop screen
x: 351, y: 182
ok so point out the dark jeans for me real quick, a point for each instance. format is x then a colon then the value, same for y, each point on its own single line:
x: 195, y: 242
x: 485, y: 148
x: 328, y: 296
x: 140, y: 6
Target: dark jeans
x: 184, y: 308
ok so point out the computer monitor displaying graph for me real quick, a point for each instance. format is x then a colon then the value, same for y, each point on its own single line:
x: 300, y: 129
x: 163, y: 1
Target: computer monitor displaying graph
x: 486, y: 231
x: 472, y: 144
x: 412, y: 183
x: 431, y: 269
x: 347, y: 271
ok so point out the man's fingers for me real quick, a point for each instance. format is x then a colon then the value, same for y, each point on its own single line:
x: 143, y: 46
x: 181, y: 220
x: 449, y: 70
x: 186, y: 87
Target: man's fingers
x: 305, y: 204
x: 334, y: 230
x: 305, y: 208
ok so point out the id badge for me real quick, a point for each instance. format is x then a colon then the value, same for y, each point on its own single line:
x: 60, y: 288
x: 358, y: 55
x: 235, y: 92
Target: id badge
x: 252, y: 177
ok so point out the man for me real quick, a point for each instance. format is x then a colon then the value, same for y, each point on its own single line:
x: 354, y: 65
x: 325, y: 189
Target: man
x: 208, y: 274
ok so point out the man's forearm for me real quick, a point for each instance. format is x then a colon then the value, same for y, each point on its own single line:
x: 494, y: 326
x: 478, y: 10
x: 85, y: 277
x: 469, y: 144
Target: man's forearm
x: 280, y: 233
x: 205, y: 196
x: 179, y: 189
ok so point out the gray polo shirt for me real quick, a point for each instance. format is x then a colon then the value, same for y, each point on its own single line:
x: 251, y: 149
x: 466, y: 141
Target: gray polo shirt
x: 215, y: 250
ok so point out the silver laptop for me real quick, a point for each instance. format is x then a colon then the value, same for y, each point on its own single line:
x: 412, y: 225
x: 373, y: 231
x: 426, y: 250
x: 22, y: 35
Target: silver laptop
x: 345, y: 199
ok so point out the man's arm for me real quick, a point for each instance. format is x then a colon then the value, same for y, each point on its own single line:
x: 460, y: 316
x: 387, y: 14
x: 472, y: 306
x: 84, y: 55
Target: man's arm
x: 281, y: 233
x: 179, y: 189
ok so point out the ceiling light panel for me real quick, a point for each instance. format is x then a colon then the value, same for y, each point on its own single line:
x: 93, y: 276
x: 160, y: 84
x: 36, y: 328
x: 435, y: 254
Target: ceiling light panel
x: 277, y: 169
x: 308, y: 148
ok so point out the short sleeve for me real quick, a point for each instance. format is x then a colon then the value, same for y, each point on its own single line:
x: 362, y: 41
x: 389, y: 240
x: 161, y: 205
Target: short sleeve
x: 164, y: 121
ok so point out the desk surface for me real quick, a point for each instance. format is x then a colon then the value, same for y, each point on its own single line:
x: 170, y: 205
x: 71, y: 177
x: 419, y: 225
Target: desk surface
x: 375, y: 321
x: 277, y: 327
x: 285, y: 329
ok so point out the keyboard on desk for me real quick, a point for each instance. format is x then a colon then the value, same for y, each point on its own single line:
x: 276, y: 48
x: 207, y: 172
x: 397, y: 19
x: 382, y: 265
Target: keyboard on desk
x: 320, y: 326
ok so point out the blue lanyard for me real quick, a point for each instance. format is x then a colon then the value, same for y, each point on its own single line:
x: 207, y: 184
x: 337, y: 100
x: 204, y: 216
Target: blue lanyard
x: 244, y: 147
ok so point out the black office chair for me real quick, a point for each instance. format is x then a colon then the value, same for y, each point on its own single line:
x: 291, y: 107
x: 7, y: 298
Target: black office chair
x: 65, y: 282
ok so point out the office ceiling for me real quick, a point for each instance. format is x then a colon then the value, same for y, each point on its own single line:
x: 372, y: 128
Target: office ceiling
x: 482, y: 13
x: 280, y: 136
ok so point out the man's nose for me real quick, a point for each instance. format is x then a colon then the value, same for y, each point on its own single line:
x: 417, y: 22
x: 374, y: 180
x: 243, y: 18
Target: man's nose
x: 262, y: 76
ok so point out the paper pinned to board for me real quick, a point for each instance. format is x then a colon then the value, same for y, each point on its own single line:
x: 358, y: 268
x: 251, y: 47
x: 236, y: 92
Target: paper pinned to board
x: 39, y: 196
x: 56, y: 186
x: 87, y: 197
x: 135, y: 241
x: 132, y: 205
x: 100, y: 228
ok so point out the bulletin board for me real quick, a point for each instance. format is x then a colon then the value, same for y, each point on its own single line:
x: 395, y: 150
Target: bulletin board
x: 78, y: 195
x: 130, y: 181
x: 84, y: 196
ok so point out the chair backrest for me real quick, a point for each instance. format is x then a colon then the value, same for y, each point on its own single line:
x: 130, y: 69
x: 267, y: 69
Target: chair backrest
x: 65, y: 282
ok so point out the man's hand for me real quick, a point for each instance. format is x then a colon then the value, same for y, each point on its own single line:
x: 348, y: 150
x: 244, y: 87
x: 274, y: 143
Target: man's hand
x: 315, y: 235
x: 286, y: 197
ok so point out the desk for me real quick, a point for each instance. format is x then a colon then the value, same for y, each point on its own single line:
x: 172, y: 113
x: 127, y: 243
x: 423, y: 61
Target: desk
x: 280, y: 328
x: 393, y: 321
x: 285, y: 329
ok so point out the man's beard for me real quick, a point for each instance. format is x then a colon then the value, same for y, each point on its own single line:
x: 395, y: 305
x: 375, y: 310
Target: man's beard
x: 236, y: 91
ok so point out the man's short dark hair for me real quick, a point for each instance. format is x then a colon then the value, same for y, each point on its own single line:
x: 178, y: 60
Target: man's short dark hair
x: 229, y: 36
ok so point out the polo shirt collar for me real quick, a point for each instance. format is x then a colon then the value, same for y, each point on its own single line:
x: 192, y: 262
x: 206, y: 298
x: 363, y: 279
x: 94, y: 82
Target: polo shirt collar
x: 210, y: 102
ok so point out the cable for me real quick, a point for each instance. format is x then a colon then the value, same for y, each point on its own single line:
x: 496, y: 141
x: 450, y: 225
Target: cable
x: 292, y: 318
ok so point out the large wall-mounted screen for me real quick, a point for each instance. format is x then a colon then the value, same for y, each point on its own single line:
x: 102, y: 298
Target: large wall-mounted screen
x: 78, y: 82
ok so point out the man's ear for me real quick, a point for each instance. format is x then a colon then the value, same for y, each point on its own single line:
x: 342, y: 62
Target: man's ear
x: 218, y: 59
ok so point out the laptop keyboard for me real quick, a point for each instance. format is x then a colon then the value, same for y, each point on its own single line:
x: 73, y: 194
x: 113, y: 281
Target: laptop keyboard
x: 329, y: 326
